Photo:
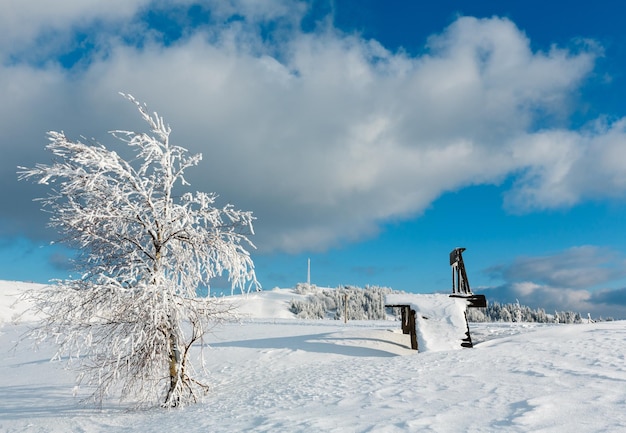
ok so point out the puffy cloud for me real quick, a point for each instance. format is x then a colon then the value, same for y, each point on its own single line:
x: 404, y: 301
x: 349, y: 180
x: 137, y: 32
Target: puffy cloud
x: 601, y: 303
x: 572, y: 280
x: 32, y: 29
x: 324, y: 135
x: 564, y: 168
x: 610, y: 297
x: 579, y: 267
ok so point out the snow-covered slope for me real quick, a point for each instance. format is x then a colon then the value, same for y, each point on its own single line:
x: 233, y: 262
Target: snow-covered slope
x: 12, y: 309
x: 272, y: 374
x: 272, y: 304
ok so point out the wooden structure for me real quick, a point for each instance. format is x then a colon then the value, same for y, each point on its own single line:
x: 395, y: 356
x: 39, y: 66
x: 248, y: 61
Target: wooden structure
x: 408, y: 322
x: 460, y: 284
x: 460, y: 289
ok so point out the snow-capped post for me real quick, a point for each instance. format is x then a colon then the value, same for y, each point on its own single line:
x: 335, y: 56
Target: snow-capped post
x: 143, y: 251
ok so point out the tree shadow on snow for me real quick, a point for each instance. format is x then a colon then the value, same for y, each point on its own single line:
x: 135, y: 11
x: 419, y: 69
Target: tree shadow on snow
x: 322, y: 343
x: 36, y: 401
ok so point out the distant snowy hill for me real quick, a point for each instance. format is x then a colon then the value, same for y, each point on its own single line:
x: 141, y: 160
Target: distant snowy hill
x: 272, y: 304
x: 13, y: 309
x: 266, y: 304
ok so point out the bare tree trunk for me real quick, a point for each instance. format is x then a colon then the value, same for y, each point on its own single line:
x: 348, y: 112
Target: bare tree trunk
x: 175, y: 369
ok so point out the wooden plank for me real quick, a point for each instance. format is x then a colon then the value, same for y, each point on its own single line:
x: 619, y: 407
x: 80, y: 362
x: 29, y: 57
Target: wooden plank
x: 473, y: 301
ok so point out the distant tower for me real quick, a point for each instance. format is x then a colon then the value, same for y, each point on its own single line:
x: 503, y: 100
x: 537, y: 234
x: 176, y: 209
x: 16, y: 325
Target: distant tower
x: 308, y: 274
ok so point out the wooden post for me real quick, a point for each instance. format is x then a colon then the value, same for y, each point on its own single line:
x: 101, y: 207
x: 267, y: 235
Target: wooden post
x: 413, y: 330
x: 345, y: 307
x: 408, y: 322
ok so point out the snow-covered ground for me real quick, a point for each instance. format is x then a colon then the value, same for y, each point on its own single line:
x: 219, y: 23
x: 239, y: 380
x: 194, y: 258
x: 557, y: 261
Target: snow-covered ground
x: 273, y: 373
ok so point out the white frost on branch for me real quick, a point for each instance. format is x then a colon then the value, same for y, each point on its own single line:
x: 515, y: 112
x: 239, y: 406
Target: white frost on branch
x: 143, y: 252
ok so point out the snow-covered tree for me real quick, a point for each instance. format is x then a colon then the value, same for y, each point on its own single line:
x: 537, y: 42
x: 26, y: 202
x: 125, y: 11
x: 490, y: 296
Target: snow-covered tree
x: 363, y: 304
x: 144, y: 248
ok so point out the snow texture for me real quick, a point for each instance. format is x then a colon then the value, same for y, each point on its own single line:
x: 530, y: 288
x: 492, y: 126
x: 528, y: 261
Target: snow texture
x: 270, y: 373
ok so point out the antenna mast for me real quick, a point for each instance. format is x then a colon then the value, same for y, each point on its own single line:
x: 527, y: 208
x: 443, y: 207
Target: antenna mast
x: 308, y: 274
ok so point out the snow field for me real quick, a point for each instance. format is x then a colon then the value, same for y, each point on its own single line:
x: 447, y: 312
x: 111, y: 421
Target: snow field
x: 284, y: 375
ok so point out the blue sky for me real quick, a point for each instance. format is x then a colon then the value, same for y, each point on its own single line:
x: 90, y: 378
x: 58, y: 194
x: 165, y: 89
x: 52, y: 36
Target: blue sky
x: 372, y: 137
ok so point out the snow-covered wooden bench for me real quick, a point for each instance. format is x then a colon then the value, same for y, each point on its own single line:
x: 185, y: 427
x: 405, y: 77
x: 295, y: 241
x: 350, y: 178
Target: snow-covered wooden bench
x: 439, y: 321
x: 434, y: 322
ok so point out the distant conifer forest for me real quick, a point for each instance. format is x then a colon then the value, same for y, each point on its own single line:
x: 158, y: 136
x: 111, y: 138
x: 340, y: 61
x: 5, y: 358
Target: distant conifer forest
x: 356, y: 303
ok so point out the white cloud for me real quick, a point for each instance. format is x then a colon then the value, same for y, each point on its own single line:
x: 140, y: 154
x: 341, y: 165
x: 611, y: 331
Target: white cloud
x: 570, y: 280
x: 324, y: 135
x: 567, y: 167
x: 603, y: 303
x: 26, y: 25
x: 578, y: 267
